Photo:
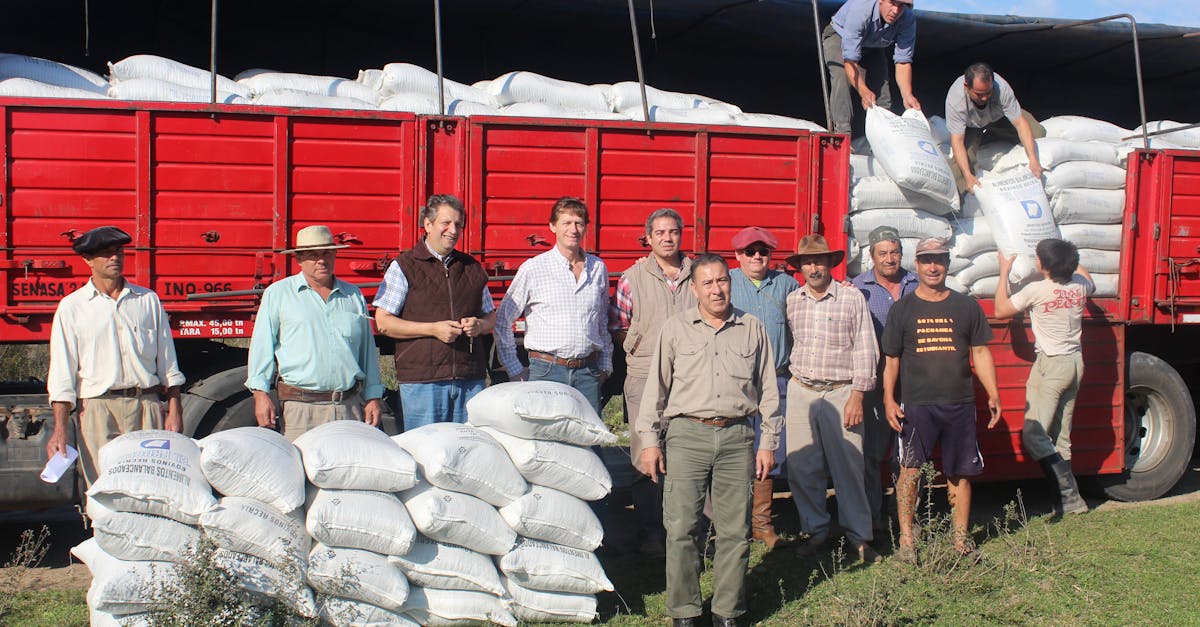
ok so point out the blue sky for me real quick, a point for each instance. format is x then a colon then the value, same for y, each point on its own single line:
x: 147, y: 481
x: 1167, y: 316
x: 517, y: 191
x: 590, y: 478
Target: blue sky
x: 1175, y: 12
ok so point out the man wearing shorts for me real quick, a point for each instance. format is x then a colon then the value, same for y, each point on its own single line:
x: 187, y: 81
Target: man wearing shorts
x: 929, y: 341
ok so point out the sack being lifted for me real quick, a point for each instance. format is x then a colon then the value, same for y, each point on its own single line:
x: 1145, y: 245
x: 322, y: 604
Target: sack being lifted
x: 1018, y: 212
x: 905, y: 148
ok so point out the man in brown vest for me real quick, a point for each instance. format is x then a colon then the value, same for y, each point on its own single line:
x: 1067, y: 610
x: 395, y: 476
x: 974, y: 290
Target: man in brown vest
x: 650, y: 291
x: 434, y: 301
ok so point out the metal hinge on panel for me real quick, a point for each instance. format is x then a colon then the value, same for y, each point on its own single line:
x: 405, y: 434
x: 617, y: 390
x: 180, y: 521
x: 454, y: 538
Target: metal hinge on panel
x: 1157, y: 231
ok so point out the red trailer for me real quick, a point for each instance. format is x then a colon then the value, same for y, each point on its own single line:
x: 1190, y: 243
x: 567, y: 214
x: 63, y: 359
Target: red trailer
x: 209, y: 193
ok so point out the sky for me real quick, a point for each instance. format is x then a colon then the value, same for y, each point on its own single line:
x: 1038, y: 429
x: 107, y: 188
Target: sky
x: 1174, y: 12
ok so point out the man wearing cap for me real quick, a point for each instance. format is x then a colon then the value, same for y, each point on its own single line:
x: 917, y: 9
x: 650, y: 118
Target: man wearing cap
x: 981, y: 108
x: 856, y: 40
x: 832, y: 365
x: 762, y: 292
x: 885, y: 284
x: 435, y: 319
x: 929, y: 342
x: 313, y: 331
x: 712, y: 370
x: 111, y: 353
x: 649, y: 292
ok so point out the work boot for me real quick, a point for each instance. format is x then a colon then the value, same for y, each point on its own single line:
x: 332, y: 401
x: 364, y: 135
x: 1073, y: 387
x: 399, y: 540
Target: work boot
x: 760, y: 519
x: 1058, y: 470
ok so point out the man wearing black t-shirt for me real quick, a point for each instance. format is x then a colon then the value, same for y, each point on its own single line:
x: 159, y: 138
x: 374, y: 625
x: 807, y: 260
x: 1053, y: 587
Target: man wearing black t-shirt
x: 929, y: 340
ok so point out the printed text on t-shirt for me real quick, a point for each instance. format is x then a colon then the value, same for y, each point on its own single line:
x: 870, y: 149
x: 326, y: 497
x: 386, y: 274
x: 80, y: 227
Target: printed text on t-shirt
x: 935, y: 334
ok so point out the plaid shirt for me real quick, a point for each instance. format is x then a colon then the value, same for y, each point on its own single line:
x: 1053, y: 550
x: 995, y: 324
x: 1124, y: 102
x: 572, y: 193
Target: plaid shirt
x: 393, y: 291
x: 879, y: 299
x: 834, y: 337
x: 620, y: 313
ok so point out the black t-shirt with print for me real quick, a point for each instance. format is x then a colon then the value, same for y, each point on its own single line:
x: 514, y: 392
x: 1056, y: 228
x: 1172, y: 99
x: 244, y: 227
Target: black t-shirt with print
x: 933, y: 341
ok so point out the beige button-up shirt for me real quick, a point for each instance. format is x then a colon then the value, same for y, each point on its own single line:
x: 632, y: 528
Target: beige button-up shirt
x: 703, y: 372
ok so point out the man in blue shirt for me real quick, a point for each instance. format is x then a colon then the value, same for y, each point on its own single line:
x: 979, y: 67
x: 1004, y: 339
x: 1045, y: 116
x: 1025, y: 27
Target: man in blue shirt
x: 855, y: 45
x: 883, y: 286
x: 762, y: 292
x: 313, y: 330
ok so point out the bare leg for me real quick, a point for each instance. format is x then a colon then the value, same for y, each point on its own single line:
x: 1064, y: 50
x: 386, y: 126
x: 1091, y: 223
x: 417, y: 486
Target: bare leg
x: 906, y: 504
x: 959, y: 490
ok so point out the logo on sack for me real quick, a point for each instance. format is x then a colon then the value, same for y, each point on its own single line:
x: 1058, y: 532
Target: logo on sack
x: 927, y: 147
x: 1032, y: 208
x: 159, y: 443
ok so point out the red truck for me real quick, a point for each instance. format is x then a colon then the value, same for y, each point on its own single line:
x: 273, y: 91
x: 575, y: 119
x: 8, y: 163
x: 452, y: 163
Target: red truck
x: 211, y: 192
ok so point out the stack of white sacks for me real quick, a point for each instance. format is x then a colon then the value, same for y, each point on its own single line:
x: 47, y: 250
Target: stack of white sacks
x: 394, y: 87
x: 1083, y: 201
x: 442, y: 525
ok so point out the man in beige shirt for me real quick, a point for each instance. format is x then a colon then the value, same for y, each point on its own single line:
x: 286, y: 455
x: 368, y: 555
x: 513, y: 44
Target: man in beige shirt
x: 711, y: 370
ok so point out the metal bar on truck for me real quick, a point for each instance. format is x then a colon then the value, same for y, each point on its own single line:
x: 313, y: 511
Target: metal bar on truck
x: 437, y: 38
x: 212, y: 53
x: 1137, y: 60
x: 637, y: 57
x: 821, y: 69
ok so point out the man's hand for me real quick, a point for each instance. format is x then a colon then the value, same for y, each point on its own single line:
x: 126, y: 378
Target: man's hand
x: 174, y: 420
x: 372, y: 410
x: 264, y: 409
x: 895, y: 415
x: 520, y: 376
x: 868, y: 98
x: 764, y: 461
x: 911, y: 102
x: 62, y: 421
x: 971, y: 180
x: 653, y: 464
x: 994, y: 408
x: 57, y: 443
x: 1036, y: 169
x: 447, y: 330
x: 1006, y: 264
x: 852, y: 413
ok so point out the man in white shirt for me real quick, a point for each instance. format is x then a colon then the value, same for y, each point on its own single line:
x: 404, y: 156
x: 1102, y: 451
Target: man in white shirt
x: 111, y: 353
x: 563, y: 295
x: 1055, y: 306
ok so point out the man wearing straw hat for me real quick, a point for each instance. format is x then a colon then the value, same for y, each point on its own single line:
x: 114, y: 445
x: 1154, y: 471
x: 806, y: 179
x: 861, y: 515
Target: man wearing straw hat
x: 313, y: 331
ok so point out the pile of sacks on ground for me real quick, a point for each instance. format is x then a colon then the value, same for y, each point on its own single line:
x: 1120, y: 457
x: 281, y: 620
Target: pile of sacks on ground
x: 902, y: 178
x: 447, y: 524
x: 395, y: 87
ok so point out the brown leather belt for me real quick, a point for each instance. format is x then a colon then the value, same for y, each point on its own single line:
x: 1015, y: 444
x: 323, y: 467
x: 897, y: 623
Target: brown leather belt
x: 133, y: 392
x: 559, y: 361
x: 292, y: 393
x: 716, y: 422
x: 818, y: 385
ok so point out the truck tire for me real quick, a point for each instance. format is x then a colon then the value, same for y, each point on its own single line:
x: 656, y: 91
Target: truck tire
x: 218, y: 402
x: 1160, y: 431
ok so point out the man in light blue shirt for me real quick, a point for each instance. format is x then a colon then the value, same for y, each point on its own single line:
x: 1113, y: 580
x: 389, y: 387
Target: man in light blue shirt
x: 855, y: 44
x: 313, y: 330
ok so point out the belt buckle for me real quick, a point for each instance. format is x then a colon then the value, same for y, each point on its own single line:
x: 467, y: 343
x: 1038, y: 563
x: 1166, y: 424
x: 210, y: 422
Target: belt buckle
x: 336, y: 396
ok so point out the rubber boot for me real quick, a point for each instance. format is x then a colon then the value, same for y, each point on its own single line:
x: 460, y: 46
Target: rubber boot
x: 760, y: 518
x: 1058, y: 470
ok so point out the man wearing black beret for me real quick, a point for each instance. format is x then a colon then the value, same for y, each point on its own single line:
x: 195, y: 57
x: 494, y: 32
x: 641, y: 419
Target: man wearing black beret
x: 111, y: 353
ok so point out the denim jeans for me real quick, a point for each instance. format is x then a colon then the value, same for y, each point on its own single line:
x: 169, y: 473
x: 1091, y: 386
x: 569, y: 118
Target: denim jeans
x: 440, y: 401
x: 585, y: 379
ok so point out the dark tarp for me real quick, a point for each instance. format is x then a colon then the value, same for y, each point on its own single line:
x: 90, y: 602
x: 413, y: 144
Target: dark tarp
x: 760, y: 55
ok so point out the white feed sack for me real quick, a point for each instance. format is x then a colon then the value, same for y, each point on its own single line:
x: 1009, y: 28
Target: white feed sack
x: 464, y: 459
x: 1189, y: 138
x: 544, y: 110
x: 628, y: 95
x: 264, y: 82
x: 268, y: 581
x: 122, y: 587
x: 862, y: 166
x: 255, y: 528
x: 908, y: 222
x: 255, y: 463
x: 412, y: 103
x: 159, y: 68
x: 153, y: 472
x: 51, y: 73
x: 459, y: 519
x: 1082, y: 129
x: 906, y: 150
x: 432, y: 564
x: 1089, y: 206
x: 155, y: 90
x: 530, y: 87
x: 360, y: 519
x: 1089, y: 174
x: 941, y: 134
x: 539, y: 410
x: 437, y: 608
x: 1126, y: 148
x: 573, y: 469
x: 982, y: 266
x: 681, y: 116
x: 972, y: 236
x: 554, y: 568
x: 372, y: 78
x: 984, y: 287
x: 881, y: 192
x: 1098, y: 236
x: 1019, y: 215
x: 303, y: 99
x: 400, y: 78
x: 352, y: 455
x: 358, y: 575
x: 539, y: 606
x: 466, y: 108
x: 29, y: 88
x: 552, y: 516
x: 771, y: 120
x: 1100, y: 261
x: 1106, y: 285
x: 341, y: 612
x: 990, y: 154
x: 1052, y: 152
x: 140, y: 537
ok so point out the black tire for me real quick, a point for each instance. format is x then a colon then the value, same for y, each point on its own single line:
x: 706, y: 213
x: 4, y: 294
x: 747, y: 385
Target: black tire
x: 235, y: 411
x: 1160, y: 431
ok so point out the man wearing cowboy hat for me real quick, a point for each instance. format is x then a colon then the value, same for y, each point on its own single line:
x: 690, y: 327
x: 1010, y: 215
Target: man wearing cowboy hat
x: 111, y: 353
x: 313, y: 331
x: 832, y: 365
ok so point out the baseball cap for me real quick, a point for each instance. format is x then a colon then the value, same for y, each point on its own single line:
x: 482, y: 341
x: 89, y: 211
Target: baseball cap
x: 751, y: 234
x: 883, y: 234
x: 932, y: 246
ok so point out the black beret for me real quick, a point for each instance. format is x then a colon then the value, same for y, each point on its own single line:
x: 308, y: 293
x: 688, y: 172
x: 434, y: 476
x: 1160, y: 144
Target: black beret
x: 100, y: 238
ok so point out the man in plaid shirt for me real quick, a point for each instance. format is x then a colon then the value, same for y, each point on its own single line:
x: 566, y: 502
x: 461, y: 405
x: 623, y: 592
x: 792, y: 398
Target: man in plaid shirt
x: 833, y: 361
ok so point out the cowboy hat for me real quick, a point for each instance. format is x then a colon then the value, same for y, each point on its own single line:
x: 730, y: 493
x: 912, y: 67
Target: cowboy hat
x: 814, y: 244
x: 315, y: 237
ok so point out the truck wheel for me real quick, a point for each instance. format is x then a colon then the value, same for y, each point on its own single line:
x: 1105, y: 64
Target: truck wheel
x: 1160, y: 431
x: 218, y: 402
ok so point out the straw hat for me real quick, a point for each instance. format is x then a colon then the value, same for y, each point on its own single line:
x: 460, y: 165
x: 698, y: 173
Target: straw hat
x: 315, y: 237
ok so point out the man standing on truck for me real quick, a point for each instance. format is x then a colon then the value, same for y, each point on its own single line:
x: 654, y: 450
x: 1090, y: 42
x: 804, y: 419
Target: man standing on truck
x: 883, y: 286
x: 563, y: 295
x: 712, y: 370
x: 649, y: 292
x: 313, y: 331
x: 981, y: 108
x: 1055, y: 307
x: 111, y: 353
x: 832, y: 367
x: 855, y: 44
x: 435, y: 319
x: 931, y: 337
x: 762, y: 292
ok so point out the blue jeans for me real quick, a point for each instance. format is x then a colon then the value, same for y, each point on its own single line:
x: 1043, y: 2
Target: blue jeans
x: 585, y: 379
x: 440, y: 401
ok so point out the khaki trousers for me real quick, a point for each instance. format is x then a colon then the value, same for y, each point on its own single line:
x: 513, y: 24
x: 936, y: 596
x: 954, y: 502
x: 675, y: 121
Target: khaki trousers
x: 1050, y: 403
x: 820, y: 447
x: 299, y: 417
x: 104, y: 418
